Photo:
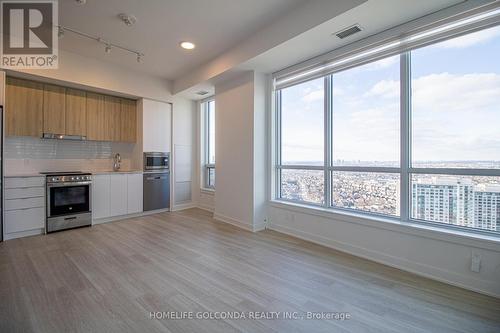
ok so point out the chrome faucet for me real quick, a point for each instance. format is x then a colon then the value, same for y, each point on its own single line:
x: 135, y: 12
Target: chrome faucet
x: 117, y: 162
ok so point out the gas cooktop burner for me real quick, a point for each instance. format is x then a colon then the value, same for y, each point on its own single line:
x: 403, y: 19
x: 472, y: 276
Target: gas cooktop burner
x: 67, y: 176
x: 58, y: 173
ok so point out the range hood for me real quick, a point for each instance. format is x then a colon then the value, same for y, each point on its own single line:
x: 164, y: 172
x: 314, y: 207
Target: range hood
x: 64, y: 137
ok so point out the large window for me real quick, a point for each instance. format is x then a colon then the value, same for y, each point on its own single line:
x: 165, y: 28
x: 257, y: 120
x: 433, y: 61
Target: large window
x: 302, y: 138
x: 208, y: 132
x: 455, y: 135
x: 413, y: 136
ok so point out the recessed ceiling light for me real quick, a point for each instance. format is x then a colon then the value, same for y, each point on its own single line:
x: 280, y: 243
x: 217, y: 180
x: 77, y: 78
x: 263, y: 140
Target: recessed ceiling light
x: 187, y: 45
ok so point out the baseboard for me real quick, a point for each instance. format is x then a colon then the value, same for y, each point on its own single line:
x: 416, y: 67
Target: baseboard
x: 205, y: 207
x: 240, y: 224
x: 128, y: 216
x: 427, y: 271
x: 183, y: 206
x: 236, y: 223
x: 27, y: 233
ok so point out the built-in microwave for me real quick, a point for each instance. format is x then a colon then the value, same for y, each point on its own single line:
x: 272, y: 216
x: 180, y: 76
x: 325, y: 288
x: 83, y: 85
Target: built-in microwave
x: 155, y: 161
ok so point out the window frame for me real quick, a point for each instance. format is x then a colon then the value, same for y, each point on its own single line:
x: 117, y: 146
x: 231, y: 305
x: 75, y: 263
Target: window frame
x: 405, y: 170
x: 206, y: 165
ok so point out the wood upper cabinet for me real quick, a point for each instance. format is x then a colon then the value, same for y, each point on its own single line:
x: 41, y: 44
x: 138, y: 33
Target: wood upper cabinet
x: 54, y: 109
x: 32, y: 109
x: 23, y: 108
x: 76, y: 112
x: 128, y: 128
x: 112, y: 105
x: 97, y: 122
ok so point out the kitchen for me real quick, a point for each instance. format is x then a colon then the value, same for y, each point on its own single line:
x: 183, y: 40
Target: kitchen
x: 77, y: 156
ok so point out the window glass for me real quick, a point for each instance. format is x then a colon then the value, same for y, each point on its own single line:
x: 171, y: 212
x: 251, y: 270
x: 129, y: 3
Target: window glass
x: 455, y: 102
x: 366, y: 114
x: 302, y: 123
x: 211, y: 132
x: 303, y: 185
x: 366, y: 191
x: 467, y: 201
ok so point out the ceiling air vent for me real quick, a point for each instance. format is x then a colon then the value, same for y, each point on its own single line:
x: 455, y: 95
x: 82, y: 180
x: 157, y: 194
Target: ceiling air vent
x: 202, y: 93
x: 348, y: 31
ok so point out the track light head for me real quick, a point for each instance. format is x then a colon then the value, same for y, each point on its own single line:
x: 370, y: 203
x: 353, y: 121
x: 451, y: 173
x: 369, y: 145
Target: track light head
x: 107, y: 49
x: 139, y: 57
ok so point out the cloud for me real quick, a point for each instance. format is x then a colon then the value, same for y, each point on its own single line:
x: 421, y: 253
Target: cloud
x: 313, y: 96
x: 385, y: 89
x: 470, y: 39
x: 456, y: 116
x: 460, y: 93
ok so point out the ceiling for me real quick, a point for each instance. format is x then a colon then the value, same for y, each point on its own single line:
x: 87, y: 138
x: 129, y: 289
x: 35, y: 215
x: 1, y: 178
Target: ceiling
x: 213, y: 25
x: 320, y: 39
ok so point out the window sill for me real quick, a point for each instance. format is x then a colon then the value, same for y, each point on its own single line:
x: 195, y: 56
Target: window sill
x: 433, y: 232
x: 209, y: 191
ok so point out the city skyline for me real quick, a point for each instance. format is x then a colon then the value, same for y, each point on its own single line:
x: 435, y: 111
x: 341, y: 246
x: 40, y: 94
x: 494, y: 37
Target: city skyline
x: 459, y: 200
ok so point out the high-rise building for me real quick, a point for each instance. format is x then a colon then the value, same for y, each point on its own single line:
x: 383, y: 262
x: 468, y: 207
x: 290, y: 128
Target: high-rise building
x: 487, y: 207
x: 444, y: 199
x: 456, y: 201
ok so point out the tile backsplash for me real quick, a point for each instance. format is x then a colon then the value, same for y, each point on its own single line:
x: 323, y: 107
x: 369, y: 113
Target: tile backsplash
x: 27, y: 154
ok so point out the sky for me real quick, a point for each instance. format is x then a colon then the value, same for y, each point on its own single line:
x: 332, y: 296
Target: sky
x: 455, y: 107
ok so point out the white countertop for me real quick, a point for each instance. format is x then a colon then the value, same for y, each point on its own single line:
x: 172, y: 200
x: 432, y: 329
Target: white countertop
x: 105, y: 172
x: 96, y: 172
x: 22, y: 174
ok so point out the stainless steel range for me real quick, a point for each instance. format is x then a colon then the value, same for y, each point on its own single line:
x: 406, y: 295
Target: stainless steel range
x: 69, y: 197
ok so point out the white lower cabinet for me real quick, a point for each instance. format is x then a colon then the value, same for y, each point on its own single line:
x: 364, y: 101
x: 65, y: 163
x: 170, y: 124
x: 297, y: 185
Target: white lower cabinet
x: 116, y: 194
x: 24, y: 220
x: 101, y: 193
x: 118, y: 200
x: 24, y: 206
x: 134, y: 193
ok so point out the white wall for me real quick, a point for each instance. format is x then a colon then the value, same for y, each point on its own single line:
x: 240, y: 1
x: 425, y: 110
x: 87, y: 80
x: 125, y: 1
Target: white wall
x: 92, y: 74
x: 259, y: 150
x: 240, y: 147
x: 234, y: 146
x: 424, y: 252
x: 184, y: 153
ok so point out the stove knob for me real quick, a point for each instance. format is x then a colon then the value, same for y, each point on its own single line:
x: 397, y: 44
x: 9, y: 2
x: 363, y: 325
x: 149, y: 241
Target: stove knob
x: 78, y: 178
x: 54, y: 179
x: 72, y: 178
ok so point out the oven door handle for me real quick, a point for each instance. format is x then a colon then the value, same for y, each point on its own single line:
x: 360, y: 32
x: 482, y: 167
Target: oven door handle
x: 68, y: 184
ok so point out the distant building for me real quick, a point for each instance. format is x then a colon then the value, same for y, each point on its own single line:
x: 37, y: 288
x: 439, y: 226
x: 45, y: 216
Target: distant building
x: 456, y: 201
x: 487, y: 207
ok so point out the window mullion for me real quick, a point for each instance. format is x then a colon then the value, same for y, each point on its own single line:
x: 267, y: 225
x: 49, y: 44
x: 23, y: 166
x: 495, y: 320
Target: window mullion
x: 278, y: 144
x: 405, y: 132
x: 328, y: 139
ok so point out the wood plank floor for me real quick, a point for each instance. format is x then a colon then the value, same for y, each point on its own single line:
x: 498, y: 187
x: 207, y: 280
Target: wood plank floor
x: 109, y: 278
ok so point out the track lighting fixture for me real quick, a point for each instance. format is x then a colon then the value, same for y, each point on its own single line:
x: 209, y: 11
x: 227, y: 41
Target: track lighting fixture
x: 107, y: 45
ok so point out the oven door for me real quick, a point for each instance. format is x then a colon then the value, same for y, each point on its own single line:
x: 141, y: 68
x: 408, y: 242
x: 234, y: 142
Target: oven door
x: 68, y: 198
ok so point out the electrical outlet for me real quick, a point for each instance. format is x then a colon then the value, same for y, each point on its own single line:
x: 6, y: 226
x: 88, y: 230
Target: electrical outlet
x: 475, y: 265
